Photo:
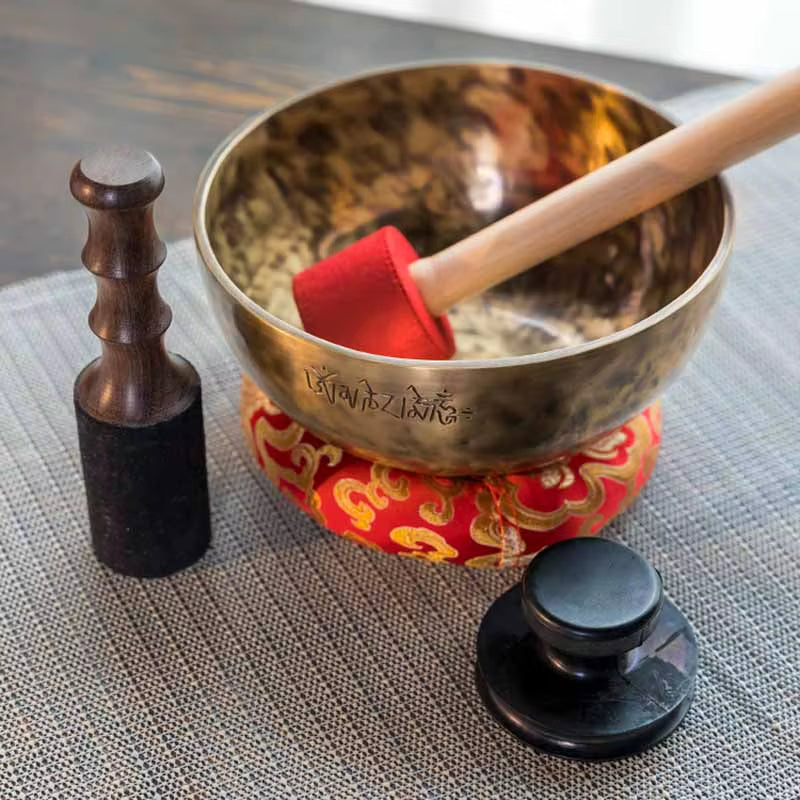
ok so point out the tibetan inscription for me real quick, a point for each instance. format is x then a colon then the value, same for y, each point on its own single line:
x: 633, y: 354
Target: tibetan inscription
x: 436, y: 409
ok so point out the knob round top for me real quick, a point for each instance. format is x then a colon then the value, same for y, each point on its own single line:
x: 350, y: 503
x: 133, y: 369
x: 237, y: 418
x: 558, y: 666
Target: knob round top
x: 117, y: 178
x: 591, y: 597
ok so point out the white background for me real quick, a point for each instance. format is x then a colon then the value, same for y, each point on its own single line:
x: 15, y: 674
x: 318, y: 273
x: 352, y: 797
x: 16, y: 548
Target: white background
x: 748, y: 38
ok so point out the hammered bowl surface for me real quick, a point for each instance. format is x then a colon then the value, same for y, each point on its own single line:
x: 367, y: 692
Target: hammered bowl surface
x: 547, y: 361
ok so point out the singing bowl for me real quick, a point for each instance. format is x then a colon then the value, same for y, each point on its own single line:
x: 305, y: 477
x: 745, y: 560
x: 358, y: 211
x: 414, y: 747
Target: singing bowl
x: 547, y: 361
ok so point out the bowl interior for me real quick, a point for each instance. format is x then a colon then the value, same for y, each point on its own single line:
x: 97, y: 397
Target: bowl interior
x: 442, y: 151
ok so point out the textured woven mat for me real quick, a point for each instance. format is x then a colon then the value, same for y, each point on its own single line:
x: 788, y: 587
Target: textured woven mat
x: 292, y: 663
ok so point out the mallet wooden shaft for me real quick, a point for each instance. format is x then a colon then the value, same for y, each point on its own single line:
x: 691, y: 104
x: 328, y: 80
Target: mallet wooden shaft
x: 596, y: 202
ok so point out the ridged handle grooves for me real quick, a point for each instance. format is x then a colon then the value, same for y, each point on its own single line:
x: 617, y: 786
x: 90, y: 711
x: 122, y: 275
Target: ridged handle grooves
x: 135, y: 380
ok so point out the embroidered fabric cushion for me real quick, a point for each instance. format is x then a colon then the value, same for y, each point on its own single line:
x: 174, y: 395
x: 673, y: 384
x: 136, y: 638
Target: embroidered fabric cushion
x: 493, y: 521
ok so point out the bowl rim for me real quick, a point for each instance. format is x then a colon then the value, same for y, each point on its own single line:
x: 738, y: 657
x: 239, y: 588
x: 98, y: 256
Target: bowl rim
x: 242, y: 131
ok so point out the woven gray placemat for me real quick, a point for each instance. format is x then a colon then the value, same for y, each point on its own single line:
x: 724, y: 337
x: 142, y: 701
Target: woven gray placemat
x: 289, y: 663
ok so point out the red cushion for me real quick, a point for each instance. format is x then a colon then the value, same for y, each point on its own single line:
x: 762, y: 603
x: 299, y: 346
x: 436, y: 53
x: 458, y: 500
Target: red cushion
x: 496, y: 521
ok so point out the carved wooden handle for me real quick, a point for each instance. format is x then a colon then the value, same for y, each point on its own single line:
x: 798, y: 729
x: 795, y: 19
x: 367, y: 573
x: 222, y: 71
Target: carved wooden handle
x: 135, y: 380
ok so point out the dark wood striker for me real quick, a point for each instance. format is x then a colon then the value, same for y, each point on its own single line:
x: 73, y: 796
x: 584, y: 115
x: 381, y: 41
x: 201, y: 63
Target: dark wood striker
x: 138, y: 407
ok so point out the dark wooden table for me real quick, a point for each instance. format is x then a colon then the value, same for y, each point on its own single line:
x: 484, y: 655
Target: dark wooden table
x: 176, y: 76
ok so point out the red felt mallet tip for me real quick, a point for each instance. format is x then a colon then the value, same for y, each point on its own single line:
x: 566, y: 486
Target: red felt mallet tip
x: 365, y: 298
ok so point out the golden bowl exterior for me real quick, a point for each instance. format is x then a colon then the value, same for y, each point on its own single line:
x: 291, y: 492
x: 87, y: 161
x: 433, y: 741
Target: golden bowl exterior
x: 441, y: 150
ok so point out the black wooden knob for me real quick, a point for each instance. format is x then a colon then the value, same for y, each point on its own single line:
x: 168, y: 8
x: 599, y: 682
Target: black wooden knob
x: 138, y: 406
x: 590, y: 599
x: 585, y: 658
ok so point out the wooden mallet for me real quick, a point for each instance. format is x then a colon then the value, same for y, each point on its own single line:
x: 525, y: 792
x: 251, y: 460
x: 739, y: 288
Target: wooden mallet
x: 378, y: 296
x: 138, y: 406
